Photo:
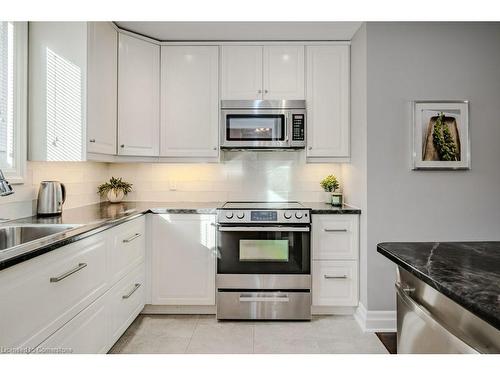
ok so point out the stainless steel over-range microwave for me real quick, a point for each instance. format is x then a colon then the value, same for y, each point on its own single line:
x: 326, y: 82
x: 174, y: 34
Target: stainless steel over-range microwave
x: 263, y: 124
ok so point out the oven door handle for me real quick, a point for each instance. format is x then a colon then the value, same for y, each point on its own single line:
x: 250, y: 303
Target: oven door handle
x: 259, y: 297
x: 264, y: 229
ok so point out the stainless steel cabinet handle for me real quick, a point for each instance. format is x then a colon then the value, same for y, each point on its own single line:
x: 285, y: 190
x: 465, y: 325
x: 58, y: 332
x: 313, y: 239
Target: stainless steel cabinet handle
x: 335, y: 277
x: 68, y: 273
x: 130, y: 239
x: 310, y: 148
x: 92, y: 140
x: 335, y: 230
x: 136, y: 286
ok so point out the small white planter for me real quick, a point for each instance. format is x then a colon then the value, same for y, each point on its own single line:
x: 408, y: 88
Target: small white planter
x: 115, y: 197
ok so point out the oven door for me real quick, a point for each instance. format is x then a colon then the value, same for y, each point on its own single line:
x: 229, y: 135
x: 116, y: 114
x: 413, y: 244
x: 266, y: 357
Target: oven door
x: 263, y: 250
x: 262, y: 128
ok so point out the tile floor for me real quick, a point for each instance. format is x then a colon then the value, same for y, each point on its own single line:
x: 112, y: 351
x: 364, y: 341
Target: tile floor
x: 171, y: 334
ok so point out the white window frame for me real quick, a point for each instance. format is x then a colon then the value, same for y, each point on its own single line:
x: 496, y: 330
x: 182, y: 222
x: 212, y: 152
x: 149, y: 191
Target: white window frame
x: 17, y: 174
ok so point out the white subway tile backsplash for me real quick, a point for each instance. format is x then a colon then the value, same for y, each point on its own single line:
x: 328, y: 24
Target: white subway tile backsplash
x: 240, y: 176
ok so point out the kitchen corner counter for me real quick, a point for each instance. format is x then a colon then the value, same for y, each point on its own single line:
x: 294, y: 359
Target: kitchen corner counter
x: 319, y: 208
x: 466, y: 272
x: 90, y: 220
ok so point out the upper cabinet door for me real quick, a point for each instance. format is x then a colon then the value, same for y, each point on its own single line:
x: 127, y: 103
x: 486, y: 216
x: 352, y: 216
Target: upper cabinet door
x: 327, y: 97
x: 57, y: 62
x: 241, y: 72
x: 189, y: 101
x: 102, y: 60
x: 284, y: 72
x: 138, y: 97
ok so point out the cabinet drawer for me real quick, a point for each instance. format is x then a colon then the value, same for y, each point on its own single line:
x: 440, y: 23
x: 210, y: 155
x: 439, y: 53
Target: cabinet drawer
x: 46, y: 292
x: 127, y: 250
x: 84, y: 334
x: 125, y: 301
x: 335, y: 237
x: 335, y: 283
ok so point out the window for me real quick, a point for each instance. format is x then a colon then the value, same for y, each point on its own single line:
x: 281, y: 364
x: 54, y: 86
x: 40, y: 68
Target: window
x: 13, y: 89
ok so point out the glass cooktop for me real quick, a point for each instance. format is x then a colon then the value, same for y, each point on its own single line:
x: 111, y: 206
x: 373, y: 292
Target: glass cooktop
x: 262, y: 205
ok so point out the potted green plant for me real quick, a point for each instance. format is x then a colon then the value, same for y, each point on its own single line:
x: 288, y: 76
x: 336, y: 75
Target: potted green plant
x: 114, y: 190
x: 329, y: 185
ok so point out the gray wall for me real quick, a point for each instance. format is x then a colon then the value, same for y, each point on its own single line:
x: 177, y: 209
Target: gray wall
x: 409, y: 61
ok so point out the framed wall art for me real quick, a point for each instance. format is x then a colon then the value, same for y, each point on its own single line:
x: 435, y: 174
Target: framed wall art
x: 441, y: 135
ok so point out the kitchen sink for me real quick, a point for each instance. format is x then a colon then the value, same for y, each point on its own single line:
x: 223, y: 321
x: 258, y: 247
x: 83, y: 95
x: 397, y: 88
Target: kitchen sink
x: 18, y: 234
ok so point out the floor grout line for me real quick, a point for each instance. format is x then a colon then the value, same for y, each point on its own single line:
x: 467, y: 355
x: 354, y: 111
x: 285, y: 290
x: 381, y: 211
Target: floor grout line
x: 192, y: 334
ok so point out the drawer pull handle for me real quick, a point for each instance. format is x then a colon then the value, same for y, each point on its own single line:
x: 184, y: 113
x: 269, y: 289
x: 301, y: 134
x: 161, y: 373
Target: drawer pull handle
x: 68, y: 273
x: 335, y: 230
x: 136, y: 286
x: 130, y: 239
x: 335, y: 277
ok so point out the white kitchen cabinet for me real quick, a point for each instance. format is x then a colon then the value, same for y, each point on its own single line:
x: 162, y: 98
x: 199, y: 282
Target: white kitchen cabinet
x: 335, y: 237
x: 80, y: 297
x: 124, y: 302
x: 241, y: 72
x: 127, y: 248
x: 335, y: 254
x: 263, y: 72
x: 102, y: 75
x: 138, y: 97
x: 86, y: 333
x: 34, y: 304
x: 327, y: 98
x: 183, y: 259
x: 72, y: 90
x: 284, y: 70
x: 335, y: 283
x: 190, y: 101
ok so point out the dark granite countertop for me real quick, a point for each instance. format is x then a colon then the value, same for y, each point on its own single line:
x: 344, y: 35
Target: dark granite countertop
x: 328, y: 209
x: 466, y: 272
x: 92, y: 219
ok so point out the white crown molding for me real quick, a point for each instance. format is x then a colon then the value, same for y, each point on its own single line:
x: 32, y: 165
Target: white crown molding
x: 375, y: 321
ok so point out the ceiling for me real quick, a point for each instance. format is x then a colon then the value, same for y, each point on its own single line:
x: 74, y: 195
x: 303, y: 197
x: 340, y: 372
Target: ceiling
x: 221, y: 31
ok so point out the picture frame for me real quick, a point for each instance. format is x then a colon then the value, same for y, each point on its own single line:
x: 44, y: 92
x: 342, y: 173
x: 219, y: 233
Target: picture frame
x: 440, y: 135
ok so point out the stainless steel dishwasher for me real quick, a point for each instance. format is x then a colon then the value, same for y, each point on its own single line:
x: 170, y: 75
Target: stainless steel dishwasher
x: 430, y: 322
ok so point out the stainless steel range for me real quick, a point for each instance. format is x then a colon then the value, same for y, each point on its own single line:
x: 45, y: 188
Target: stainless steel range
x: 264, y: 263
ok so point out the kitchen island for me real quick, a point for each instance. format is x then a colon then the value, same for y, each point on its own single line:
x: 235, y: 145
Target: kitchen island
x: 454, y: 287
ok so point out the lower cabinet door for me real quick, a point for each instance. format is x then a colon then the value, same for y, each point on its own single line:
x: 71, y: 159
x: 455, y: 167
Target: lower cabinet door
x: 183, y: 259
x: 86, y: 333
x: 335, y: 283
x: 125, y: 301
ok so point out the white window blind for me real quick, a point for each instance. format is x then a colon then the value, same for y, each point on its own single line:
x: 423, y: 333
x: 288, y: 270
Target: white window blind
x: 13, y: 41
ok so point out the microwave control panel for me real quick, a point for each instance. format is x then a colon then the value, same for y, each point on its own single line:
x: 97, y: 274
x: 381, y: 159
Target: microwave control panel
x: 298, y: 122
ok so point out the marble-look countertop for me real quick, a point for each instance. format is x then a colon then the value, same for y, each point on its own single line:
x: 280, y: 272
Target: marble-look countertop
x: 92, y: 219
x: 466, y: 272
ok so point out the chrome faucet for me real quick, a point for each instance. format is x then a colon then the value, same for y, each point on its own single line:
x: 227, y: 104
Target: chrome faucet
x: 5, y: 188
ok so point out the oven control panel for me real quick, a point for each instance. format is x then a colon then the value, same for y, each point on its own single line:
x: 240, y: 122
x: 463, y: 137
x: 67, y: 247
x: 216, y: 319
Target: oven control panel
x: 268, y: 216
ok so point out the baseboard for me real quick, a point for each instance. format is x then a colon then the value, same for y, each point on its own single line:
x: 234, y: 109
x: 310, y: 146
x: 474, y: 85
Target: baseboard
x: 164, y: 309
x: 332, y: 310
x: 375, y: 321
